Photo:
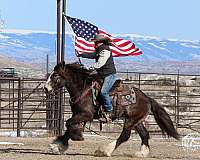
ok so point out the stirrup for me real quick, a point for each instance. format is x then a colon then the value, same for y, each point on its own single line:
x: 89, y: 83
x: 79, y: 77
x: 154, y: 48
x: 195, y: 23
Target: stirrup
x: 106, y: 118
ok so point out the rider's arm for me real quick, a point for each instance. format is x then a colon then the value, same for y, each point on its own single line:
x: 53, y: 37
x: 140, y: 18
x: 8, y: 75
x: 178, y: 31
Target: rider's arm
x: 103, y: 57
x: 87, y: 55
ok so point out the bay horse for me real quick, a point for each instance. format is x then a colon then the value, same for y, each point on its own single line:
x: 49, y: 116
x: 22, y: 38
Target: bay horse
x: 78, y: 83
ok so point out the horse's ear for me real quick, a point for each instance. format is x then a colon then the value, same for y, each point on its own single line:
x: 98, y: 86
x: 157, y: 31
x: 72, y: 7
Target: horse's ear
x: 63, y: 64
x: 59, y: 65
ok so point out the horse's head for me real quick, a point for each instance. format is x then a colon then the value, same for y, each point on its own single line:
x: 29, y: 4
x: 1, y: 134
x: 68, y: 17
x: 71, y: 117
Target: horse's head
x: 57, y: 78
x: 66, y: 75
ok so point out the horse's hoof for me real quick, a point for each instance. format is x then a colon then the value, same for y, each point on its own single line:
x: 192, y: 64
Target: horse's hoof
x: 77, y: 138
x: 143, y: 153
x: 101, y: 153
x: 63, y: 148
x: 57, y: 148
x: 106, y: 150
x: 54, y: 148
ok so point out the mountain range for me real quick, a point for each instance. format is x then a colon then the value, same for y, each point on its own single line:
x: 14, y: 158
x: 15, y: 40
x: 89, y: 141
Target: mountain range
x: 159, y: 55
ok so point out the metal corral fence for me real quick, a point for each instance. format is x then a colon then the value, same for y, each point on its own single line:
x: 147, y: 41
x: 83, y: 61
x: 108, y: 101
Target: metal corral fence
x: 25, y: 109
x: 179, y: 94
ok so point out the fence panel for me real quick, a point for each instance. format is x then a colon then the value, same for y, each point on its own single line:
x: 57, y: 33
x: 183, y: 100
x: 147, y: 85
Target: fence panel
x: 25, y: 108
x: 188, y: 105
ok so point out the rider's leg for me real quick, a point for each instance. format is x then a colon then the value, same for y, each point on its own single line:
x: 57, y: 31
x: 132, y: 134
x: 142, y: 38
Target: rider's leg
x: 106, y: 87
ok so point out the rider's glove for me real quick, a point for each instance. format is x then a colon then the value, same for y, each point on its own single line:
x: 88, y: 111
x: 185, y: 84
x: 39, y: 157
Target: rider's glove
x: 91, y: 68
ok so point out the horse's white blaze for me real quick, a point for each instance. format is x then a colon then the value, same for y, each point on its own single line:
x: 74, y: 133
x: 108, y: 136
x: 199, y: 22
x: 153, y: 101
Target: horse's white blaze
x: 143, y: 152
x: 49, y: 88
x: 106, y: 150
x: 48, y: 83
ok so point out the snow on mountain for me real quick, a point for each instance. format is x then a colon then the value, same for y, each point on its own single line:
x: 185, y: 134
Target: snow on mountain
x: 20, y: 31
x: 33, y: 46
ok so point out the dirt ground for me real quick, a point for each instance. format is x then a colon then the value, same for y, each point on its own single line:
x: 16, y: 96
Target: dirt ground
x: 36, y: 149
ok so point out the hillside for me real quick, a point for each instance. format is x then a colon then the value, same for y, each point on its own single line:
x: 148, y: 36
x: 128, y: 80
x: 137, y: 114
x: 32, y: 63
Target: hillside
x: 31, y: 48
x: 22, y: 69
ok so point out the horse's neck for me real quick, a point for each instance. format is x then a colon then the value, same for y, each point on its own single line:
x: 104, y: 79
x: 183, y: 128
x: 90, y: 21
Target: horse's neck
x: 73, y: 90
x: 76, y: 89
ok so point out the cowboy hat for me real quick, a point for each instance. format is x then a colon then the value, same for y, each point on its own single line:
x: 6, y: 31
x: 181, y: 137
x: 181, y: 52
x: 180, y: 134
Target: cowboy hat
x: 100, y: 38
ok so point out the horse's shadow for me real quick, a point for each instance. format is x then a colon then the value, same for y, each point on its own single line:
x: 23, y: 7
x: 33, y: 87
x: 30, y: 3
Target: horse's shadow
x: 19, y: 150
x: 39, y: 151
x: 43, y: 152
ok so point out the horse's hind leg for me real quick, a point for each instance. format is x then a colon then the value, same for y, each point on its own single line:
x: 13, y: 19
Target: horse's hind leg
x: 109, y: 148
x: 124, y: 136
x: 144, y: 135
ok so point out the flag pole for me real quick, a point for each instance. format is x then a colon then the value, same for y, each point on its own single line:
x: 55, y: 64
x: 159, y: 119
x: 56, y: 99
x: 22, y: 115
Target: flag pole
x: 58, y: 30
x: 63, y: 31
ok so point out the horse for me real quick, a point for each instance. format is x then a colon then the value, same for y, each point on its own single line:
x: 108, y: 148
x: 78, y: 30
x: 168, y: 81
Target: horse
x: 80, y: 86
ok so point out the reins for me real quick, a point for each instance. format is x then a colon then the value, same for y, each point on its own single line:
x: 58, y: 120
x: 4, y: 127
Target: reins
x: 77, y: 99
x: 74, y: 100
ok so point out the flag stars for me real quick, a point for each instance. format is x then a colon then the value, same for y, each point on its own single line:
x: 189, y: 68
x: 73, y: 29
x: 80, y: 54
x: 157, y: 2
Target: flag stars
x: 82, y: 29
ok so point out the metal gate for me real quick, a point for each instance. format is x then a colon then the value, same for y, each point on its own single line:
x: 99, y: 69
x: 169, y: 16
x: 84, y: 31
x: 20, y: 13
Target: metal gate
x: 25, y: 107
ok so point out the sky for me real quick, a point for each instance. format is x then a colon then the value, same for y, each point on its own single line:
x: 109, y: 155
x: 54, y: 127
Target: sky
x: 174, y: 19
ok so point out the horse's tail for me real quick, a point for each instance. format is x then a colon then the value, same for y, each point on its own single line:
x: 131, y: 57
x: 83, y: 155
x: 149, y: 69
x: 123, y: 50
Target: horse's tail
x: 163, y: 119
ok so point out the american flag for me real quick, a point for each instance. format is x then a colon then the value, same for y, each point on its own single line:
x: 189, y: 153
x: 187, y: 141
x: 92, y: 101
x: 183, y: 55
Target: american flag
x: 84, y: 31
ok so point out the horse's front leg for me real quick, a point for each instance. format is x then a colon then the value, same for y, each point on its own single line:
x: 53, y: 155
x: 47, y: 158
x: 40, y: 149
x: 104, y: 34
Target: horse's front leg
x: 60, y: 144
x: 75, y: 127
x: 74, y: 132
x: 79, y: 118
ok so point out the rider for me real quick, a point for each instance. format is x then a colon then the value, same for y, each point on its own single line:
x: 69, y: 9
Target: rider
x: 105, y: 68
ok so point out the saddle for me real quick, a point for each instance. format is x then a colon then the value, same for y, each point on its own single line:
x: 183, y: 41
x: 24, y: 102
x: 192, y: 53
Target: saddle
x: 122, y: 96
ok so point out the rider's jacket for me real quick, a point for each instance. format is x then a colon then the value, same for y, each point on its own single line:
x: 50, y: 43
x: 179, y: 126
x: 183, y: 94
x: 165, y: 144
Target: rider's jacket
x: 104, y: 61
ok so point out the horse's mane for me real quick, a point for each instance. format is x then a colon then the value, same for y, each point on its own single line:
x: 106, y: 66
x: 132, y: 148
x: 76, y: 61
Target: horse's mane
x: 74, y: 67
x: 77, y: 67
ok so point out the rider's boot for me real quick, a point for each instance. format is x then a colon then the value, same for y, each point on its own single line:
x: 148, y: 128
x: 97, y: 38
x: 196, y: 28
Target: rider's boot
x: 108, y: 116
